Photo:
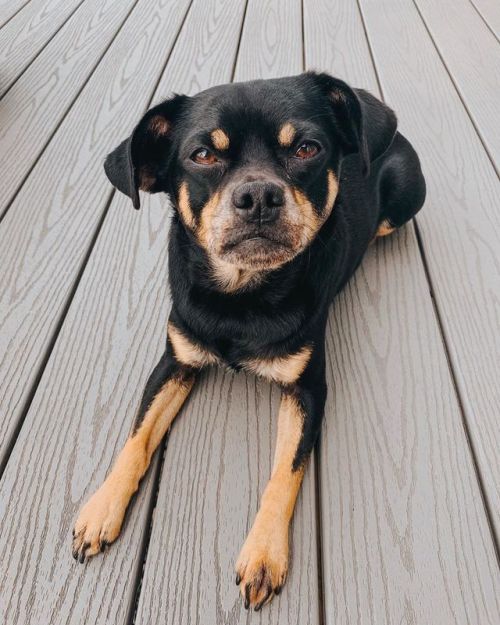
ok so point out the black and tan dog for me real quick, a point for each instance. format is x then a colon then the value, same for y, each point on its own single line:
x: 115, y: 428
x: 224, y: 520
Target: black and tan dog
x: 278, y: 186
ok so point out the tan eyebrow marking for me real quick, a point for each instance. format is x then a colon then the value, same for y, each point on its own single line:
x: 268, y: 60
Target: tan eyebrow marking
x: 185, y: 206
x: 219, y: 139
x: 286, y: 135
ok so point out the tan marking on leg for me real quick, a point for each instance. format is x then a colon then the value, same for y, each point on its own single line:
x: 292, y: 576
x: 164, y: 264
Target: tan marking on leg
x: 219, y: 139
x: 185, y: 207
x: 263, y: 562
x: 187, y: 352
x: 284, y: 370
x: 100, y: 519
x: 286, y: 135
x: 385, y: 227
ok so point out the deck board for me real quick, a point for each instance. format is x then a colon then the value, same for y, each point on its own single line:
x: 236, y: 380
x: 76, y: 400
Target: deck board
x: 392, y: 537
x: 407, y: 471
x: 9, y: 8
x: 49, y: 234
x: 471, y: 54
x: 219, y: 452
x: 27, y: 32
x: 490, y: 12
x: 79, y: 420
x: 34, y: 107
x: 460, y: 226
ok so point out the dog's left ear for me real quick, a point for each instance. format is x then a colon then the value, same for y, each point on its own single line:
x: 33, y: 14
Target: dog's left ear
x: 141, y: 160
x: 365, y: 124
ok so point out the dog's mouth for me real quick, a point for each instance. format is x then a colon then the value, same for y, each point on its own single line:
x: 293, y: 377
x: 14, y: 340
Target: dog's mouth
x: 257, y: 249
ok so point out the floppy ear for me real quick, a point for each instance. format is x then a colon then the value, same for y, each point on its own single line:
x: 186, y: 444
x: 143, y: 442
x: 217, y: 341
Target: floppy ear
x: 141, y: 161
x: 365, y: 125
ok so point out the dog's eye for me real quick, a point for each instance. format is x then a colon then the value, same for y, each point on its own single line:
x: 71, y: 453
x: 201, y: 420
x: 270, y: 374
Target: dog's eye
x: 203, y: 157
x: 308, y: 149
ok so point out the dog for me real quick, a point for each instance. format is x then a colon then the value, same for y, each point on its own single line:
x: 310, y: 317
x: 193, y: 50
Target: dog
x: 278, y: 188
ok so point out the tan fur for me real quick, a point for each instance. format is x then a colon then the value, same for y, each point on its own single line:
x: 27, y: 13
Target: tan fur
x: 333, y: 189
x: 187, y: 352
x: 385, y: 228
x: 219, y: 139
x: 185, y: 207
x: 207, y: 214
x: 263, y: 560
x: 230, y: 278
x: 311, y: 221
x: 284, y: 370
x: 159, y: 125
x: 286, y: 135
x: 100, y: 519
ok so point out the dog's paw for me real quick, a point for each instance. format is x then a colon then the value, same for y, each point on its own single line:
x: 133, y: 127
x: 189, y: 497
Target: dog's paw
x: 99, y: 523
x: 262, y: 566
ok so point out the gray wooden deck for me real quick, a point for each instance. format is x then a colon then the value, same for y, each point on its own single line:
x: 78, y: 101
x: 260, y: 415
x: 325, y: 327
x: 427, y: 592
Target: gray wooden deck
x: 398, y: 520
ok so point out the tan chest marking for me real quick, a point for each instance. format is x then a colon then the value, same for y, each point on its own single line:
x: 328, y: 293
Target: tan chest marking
x: 230, y: 278
x: 284, y: 370
x: 187, y: 352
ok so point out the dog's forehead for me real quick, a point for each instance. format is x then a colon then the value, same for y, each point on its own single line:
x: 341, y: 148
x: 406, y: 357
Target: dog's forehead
x: 267, y: 102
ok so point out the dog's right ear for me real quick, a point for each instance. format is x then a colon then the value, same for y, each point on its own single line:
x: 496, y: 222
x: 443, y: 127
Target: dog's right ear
x: 141, y: 161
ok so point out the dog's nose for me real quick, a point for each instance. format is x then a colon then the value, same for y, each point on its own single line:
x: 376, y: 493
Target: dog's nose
x: 258, y: 201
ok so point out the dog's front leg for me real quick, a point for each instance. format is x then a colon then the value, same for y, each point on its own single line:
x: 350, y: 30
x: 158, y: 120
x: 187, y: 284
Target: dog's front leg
x: 262, y: 565
x: 101, y: 518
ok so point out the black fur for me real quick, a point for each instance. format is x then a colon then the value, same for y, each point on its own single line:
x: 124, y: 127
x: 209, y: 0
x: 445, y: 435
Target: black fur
x: 379, y: 179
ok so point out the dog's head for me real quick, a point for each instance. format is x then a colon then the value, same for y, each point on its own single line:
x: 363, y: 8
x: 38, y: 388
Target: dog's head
x: 252, y: 168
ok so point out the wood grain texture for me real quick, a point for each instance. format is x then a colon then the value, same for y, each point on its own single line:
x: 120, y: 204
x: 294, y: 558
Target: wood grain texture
x: 218, y: 460
x: 79, y: 420
x: 460, y: 226
x: 8, y: 8
x: 472, y: 55
x: 34, y: 106
x: 490, y: 12
x: 271, y: 43
x: 27, y: 32
x: 220, y: 450
x: 408, y: 537
x: 405, y: 537
x: 50, y: 225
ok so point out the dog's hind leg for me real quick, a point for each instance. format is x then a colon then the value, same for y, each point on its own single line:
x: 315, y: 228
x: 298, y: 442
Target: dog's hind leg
x: 401, y: 186
x: 262, y: 565
x: 101, y: 518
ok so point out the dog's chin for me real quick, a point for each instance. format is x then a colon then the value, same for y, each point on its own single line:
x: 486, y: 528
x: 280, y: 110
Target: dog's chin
x: 258, y: 253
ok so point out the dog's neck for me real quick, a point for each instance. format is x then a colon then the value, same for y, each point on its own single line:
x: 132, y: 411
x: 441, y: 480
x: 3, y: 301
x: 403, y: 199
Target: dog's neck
x: 231, y: 279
